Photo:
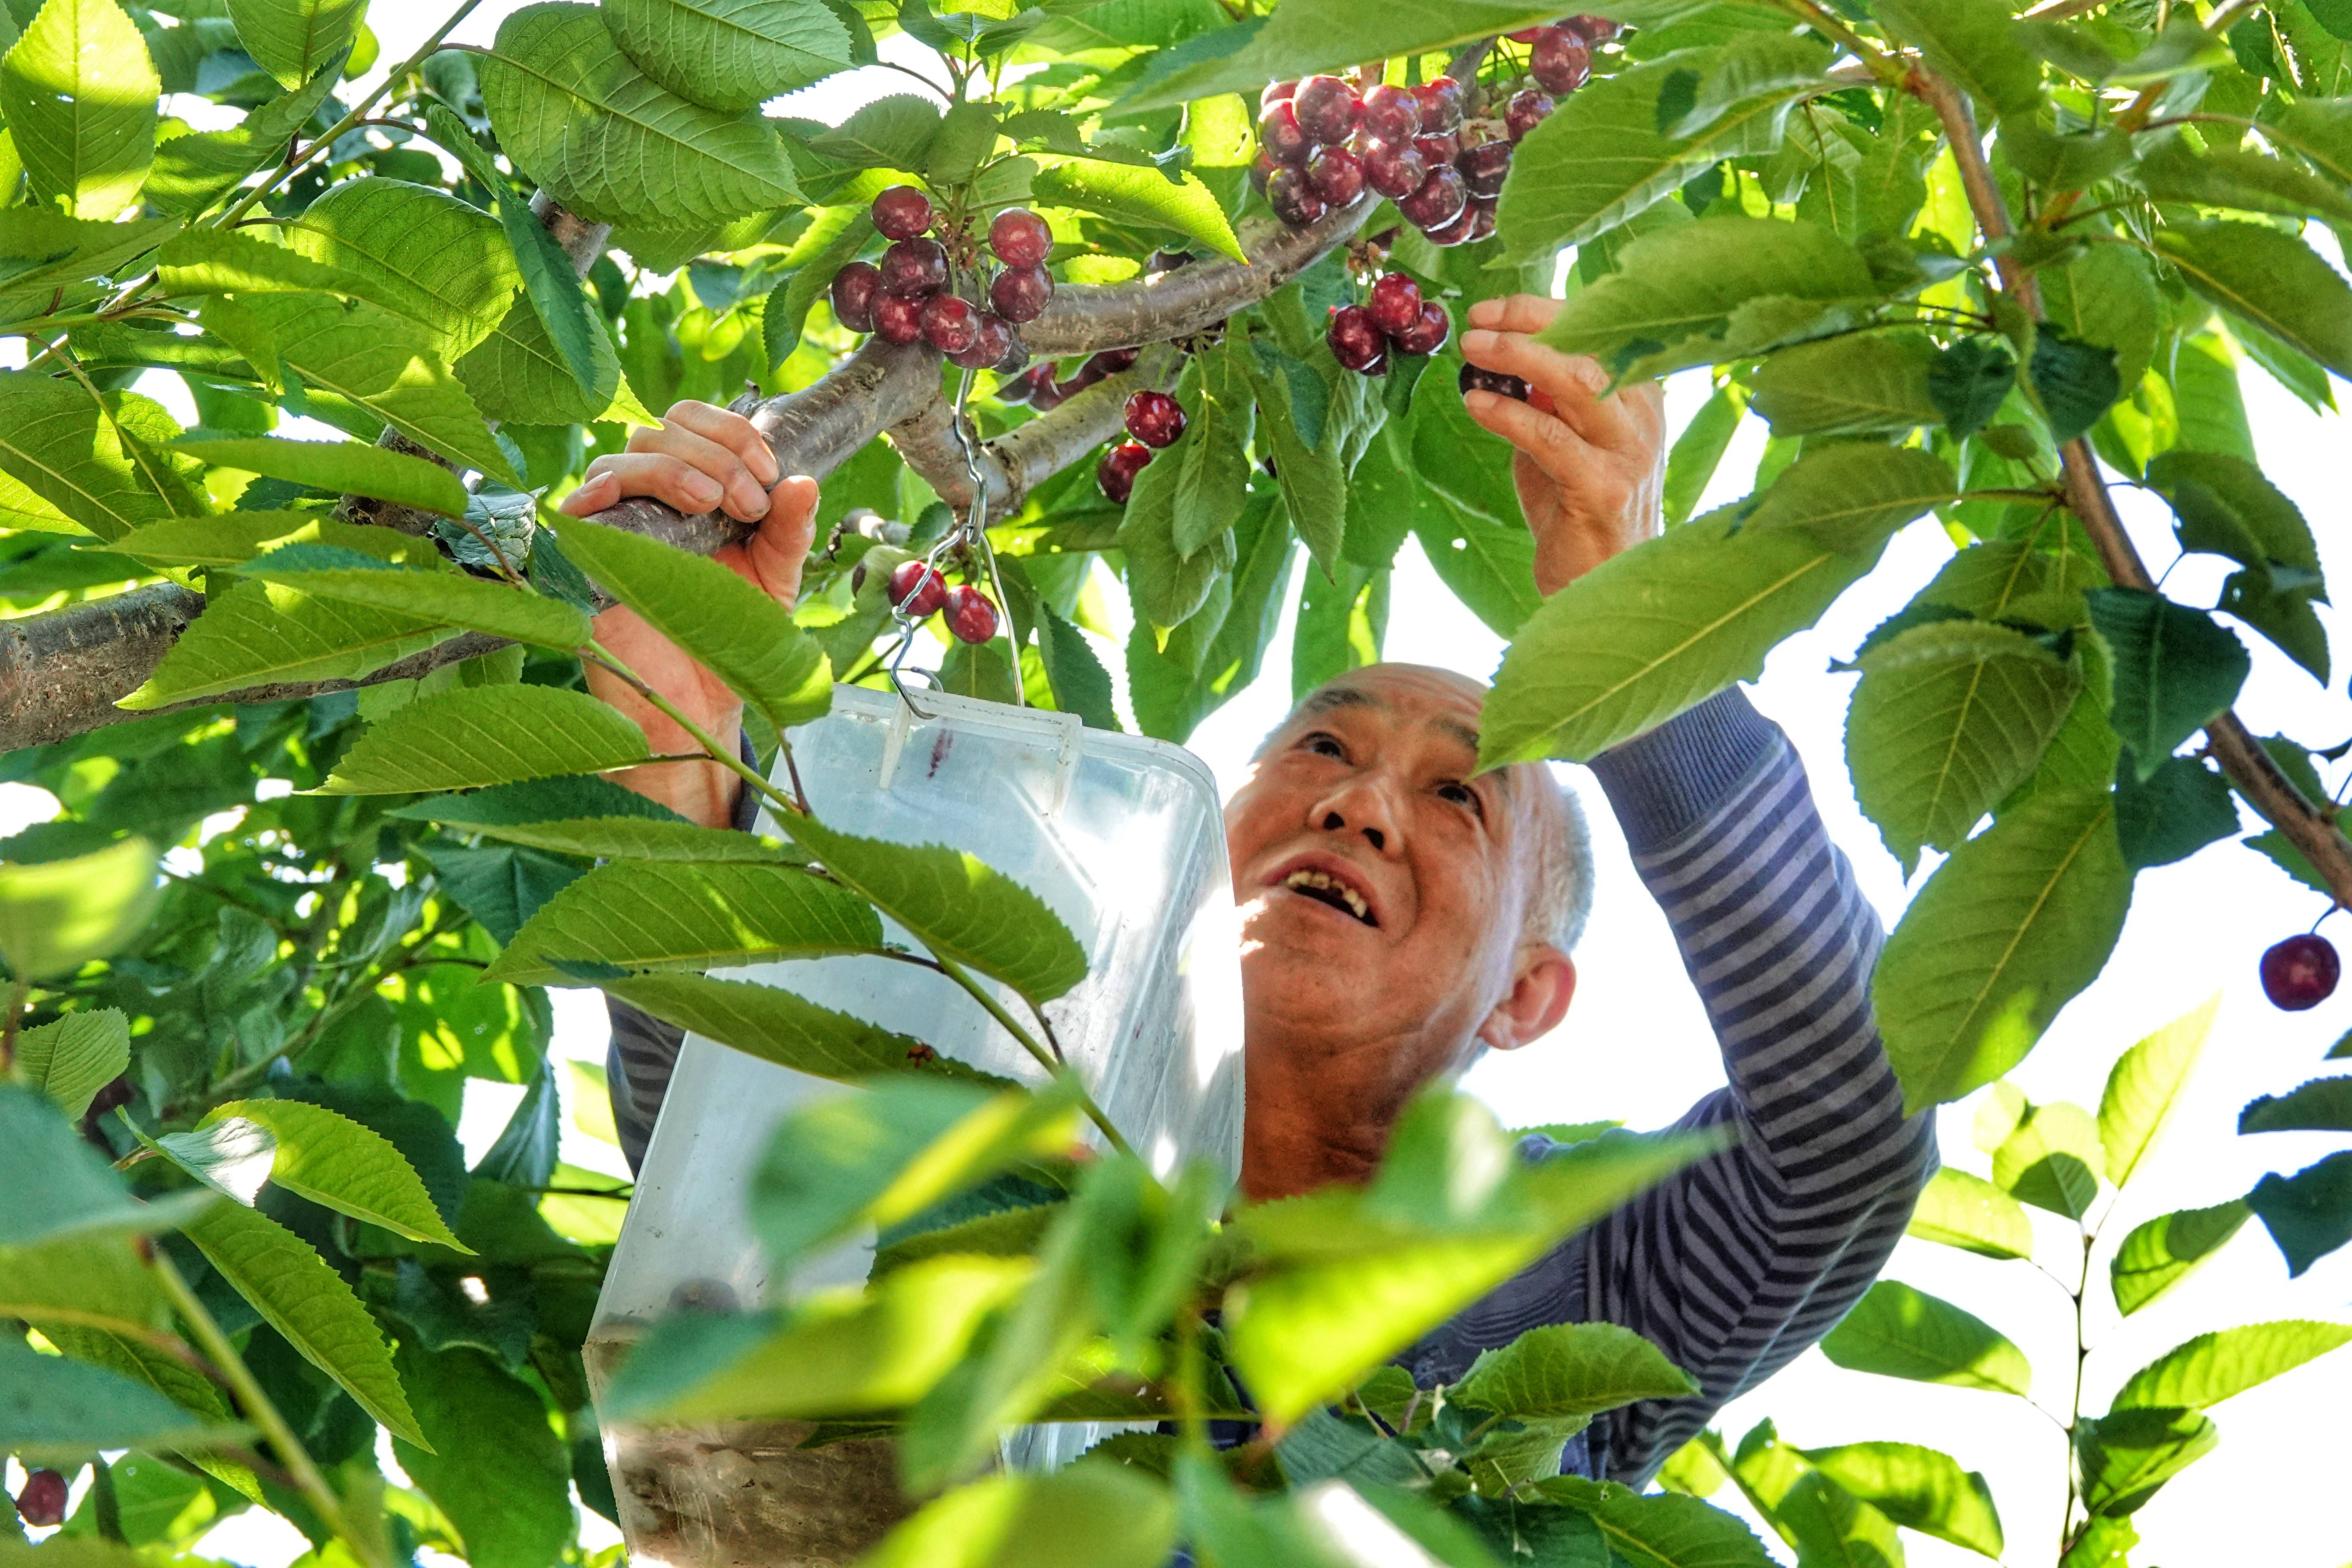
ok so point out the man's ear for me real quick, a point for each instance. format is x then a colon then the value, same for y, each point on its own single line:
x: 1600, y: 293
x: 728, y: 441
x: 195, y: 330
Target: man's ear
x: 1537, y: 1001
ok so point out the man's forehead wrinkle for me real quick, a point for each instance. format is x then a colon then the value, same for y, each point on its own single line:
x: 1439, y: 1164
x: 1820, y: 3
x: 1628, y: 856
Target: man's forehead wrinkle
x: 1324, y: 699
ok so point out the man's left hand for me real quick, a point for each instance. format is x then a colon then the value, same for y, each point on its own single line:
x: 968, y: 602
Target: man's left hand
x: 1591, y: 468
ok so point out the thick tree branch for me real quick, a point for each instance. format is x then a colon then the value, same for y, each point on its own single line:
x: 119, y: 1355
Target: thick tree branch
x: 2249, y: 767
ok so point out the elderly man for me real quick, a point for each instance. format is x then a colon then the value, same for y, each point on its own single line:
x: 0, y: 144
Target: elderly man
x: 1403, y: 914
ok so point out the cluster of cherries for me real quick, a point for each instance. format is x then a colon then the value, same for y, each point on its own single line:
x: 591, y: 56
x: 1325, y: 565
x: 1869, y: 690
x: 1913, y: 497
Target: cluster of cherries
x: 916, y: 589
x: 910, y: 298
x: 42, y: 1502
x: 1393, y: 314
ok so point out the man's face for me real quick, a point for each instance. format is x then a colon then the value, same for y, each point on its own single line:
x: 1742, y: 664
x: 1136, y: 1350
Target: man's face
x: 1381, y: 884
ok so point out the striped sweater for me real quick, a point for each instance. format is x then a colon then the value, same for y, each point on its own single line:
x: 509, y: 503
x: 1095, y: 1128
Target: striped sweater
x: 1733, y: 1267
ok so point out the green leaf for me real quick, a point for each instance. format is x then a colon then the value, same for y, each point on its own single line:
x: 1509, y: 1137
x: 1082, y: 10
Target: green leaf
x: 232, y: 539
x: 1971, y: 1214
x: 2160, y: 1252
x: 1972, y: 42
x: 953, y: 904
x: 2175, y: 669
x: 2273, y: 280
x: 1850, y: 495
x: 331, y: 1159
x: 79, y: 95
x: 41, y: 252
x: 893, y: 132
x: 1601, y: 158
x: 633, y: 838
x: 57, y: 915
x: 261, y: 633
x: 54, y: 1186
x: 1755, y: 69
x: 476, y: 604
x: 1898, y: 1332
x: 1145, y: 197
x: 741, y: 634
x: 2223, y: 176
x: 2323, y: 1105
x: 575, y: 114
x: 1862, y: 384
x: 1660, y: 1530
x: 502, y: 886
x: 841, y: 233
x: 293, y: 39
x: 1213, y: 467
x: 1698, y: 451
x: 2309, y: 1214
x: 2145, y: 1088
x: 2205, y: 1371
x: 197, y: 169
x: 2175, y: 811
x: 2107, y: 297
x: 1968, y: 383
x: 1947, y: 719
x: 2075, y: 382
x: 771, y: 1024
x: 729, y: 54
x: 200, y: 262
x: 494, y: 810
x: 351, y: 466
x: 674, y: 915
x: 1570, y: 1370
x: 364, y: 369
x: 52, y: 1408
x: 2052, y: 1160
x: 1918, y: 1489
x: 93, y: 463
x: 1313, y: 478
x: 441, y: 262
x: 1670, y: 301
x: 302, y: 1297
x: 2126, y: 1454
x: 486, y: 735
x: 495, y: 1468
x: 74, y: 1058
x: 1098, y: 1513
x: 2006, y: 932
x: 966, y: 136
x: 2223, y: 505
x: 1654, y: 631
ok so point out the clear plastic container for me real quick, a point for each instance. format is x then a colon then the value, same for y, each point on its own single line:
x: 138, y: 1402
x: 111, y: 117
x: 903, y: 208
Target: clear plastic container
x: 1123, y: 838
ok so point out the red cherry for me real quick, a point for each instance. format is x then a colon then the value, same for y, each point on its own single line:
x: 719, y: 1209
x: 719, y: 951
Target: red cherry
x: 1115, y: 473
x: 1262, y: 168
x: 1275, y: 91
x: 1020, y: 238
x: 1019, y: 293
x: 2301, y: 971
x: 1050, y: 394
x: 902, y: 212
x: 1483, y: 166
x: 1327, y: 108
x: 1025, y: 385
x: 1461, y: 230
x: 1154, y: 419
x: 951, y: 323
x: 918, y: 589
x: 42, y: 1503
x: 853, y: 287
x: 1394, y: 169
x: 1336, y: 175
x: 1292, y: 196
x: 1279, y: 132
x: 1112, y: 361
x: 1440, y: 103
x: 994, y: 341
x: 1437, y: 148
x: 1526, y: 111
x: 1474, y: 379
x: 971, y: 617
x: 1439, y: 201
x: 915, y: 267
x: 1428, y: 332
x: 1482, y: 212
x: 1560, y: 60
x: 1595, y: 30
x: 898, y: 317
x: 1395, y: 303
x: 1356, y: 340
x: 1392, y: 114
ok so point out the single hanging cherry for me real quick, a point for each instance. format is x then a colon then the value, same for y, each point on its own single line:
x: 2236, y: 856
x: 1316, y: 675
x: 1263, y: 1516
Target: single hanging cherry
x: 918, y: 589
x: 969, y: 616
x: 2301, y: 973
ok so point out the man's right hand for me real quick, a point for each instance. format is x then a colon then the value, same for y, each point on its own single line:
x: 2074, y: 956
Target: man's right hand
x: 701, y: 457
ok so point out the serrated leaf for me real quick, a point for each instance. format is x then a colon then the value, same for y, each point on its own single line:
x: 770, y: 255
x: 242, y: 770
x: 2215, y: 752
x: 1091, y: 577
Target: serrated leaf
x: 258, y: 634
x: 1659, y: 1531
x: 2145, y: 1086
x: 350, y: 466
x: 56, y: 1188
x: 1862, y: 385
x: 1957, y: 1209
x: 674, y: 915
x: 842, y: 232
x: 41, y: 252
x: 2052, y: 1160
x: 476, y: 604
x: 496, y: 1470
x: 1653, y: 631
x: 57, y: 915
x: 96, y: 465
x: 2006, y: 932
x: 331, y: 1159
x: 2160, y: 1252
x: 486, y: 735
x: 72, y: 1059
x: 1146, y: 197
x: 1972, y: 42
x: 2106, y: 297
x: 741, y: 634
x: 543, y: 800
x: 619, y: 837
x: 1947, y: 719
x: 1213, y: 464
x: 56, y: 1409
x: 441, y: 262
x: 2075, y: 382
x: 2225, y: 505
x: 1918, y: 1489
x: 1968, y: 382
x: 2309, y: 1214
x: 776, y: 1025
x: 2175, y: 669
x: 2272, y: 279
x: 2210, y: 1368
x: 729, y: 54
x: 197, y: 169
x: 293, y: 39
x: 1899, y: 1332
x: 1850, y: 495
x: 79, y: 95
x: 2222, y: 177
x: 1570, y: 1370
x: 304, y: 1300
x: 2180, y: 808
x: 199, y: 261
x: 1754, y: 70
x: 520, y: 376
x: 2124, y: 1456
x: 610, y: 143
x: 2322, y: 1105
x: 501, y: 885
x: 893, y: 132
x: 958, y: 906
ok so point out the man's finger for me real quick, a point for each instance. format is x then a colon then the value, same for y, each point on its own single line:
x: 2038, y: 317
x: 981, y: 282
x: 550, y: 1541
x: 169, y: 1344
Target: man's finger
x: 667, y: 478
x: 1573, y: 382
x: 1555, y: 447
x: 597, y: 491
x: 745, y: 496
x: 1515, y: 314
x: 780, y: 549
x: 732, y: 431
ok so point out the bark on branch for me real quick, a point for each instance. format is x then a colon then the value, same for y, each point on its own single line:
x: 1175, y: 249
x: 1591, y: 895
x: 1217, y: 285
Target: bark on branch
x: 2249, y: 767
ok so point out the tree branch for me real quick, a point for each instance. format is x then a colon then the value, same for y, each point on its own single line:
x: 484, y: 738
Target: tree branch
x: 2249, y: 767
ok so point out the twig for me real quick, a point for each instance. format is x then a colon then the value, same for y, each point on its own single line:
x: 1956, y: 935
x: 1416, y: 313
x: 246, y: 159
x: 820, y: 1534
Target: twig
x: 16, y: 994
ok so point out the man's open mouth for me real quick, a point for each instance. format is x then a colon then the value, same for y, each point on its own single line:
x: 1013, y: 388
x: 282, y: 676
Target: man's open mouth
x: 1326, y: 888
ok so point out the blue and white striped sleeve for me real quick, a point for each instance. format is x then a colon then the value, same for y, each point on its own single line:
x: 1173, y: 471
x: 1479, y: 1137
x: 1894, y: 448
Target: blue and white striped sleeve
x: 1737, y: 1264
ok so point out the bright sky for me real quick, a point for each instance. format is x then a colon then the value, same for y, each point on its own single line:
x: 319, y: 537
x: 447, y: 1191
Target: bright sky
x: 1635, y: 1045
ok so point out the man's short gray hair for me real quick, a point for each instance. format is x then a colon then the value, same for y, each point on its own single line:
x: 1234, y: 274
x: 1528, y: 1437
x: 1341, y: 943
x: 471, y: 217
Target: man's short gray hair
x: 1559, y: 861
